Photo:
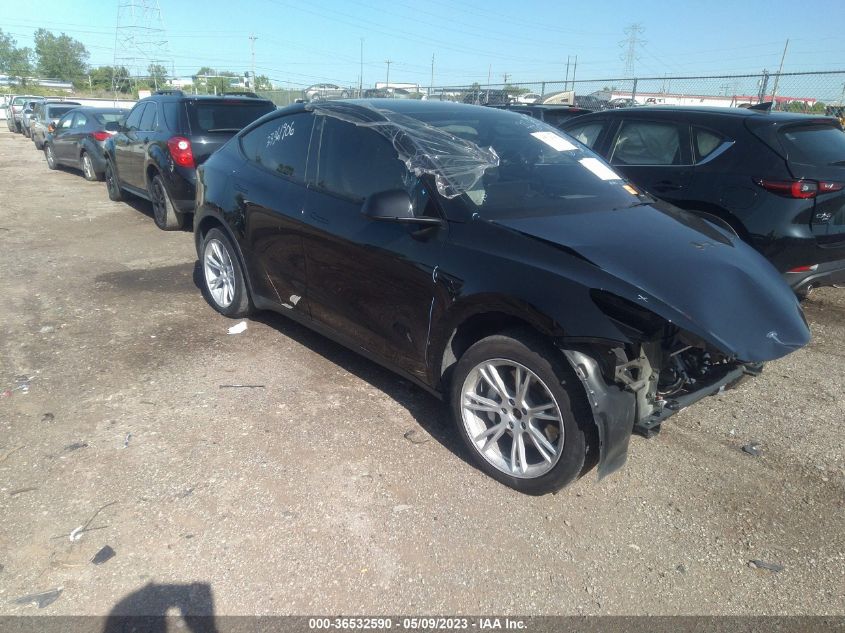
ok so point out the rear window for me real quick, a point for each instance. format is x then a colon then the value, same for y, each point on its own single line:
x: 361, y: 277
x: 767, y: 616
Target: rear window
x: 57, y: 111
x: 109, y: 117
x: 225, y: 117
x: 814, y: 144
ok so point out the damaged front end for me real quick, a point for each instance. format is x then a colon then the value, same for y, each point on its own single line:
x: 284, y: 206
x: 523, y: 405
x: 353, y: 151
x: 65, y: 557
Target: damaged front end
x: 636, y: 386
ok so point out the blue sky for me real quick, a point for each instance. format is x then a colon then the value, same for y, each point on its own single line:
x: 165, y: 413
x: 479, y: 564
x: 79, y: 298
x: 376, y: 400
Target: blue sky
x: 307, y: 42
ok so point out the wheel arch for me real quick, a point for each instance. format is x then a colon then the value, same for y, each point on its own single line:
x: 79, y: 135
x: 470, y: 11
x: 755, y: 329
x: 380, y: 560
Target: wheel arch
x: 210, y: 220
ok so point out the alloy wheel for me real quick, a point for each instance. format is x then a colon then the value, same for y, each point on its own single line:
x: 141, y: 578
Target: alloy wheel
x: 159, y: 203
x: 219, y: 273
x: 51, y: 160
x: 512, y: 418
x: 87, y: 166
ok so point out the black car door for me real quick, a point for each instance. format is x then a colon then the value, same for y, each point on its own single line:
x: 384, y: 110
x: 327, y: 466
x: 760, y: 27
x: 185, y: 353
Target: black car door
x: 125, y: 142
x: 61, y: 137
x: 369, y: 281
x: 654, y: 155
x: 145, y: 136
x: 271, y: 188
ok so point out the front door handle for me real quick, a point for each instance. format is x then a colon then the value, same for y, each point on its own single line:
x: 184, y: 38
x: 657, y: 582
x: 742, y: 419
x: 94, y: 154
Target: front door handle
x: 321, y: 219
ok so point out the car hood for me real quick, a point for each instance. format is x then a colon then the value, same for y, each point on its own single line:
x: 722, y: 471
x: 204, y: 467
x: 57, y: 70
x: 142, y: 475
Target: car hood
x: 686, y: 270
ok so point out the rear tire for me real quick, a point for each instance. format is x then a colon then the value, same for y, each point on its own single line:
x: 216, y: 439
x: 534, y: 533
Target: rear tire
x: 529, y: 431
x: 112, y: 183
x: 51, y: 158
x: 223, y: 283
x: 166, y: 217
x: 87, y: 167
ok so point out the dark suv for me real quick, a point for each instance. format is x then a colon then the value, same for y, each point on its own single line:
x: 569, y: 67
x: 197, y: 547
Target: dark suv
x: 776, y: 178
x: 155, y: 153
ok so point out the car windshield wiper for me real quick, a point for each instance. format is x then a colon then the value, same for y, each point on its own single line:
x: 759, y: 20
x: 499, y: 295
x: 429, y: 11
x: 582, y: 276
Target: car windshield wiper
x: 225, y: 129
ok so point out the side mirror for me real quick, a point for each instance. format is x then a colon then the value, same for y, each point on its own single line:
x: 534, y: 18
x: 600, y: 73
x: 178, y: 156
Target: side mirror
x: 51, y: 128
x: 394, y: 206
x: 112, y: 126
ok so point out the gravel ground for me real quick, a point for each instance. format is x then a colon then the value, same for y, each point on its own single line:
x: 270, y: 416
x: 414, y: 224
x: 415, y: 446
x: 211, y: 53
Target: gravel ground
x: 338, y: 487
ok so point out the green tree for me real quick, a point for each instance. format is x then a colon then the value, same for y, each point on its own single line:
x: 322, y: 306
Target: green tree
x: 60, y: 57
x: 214, y: 81
x: 262, y: 82
x: 111, y: 78
x: 15, y: 62
x: 158, y: 75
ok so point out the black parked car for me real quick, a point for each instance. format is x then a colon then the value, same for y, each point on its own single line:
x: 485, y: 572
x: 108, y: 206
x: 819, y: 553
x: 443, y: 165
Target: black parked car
x: 156, y: 150
x: 79, y: 139
x: 775, y: 178
x: 555, y: 115
x: 495, y: 262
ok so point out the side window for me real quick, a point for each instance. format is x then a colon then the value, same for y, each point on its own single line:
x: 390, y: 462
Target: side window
x: 79, y: 120
x: 281, y: 144
x: 647, y: 143
x: 587, y: 133
x: 356, y: 162
x: 170, y: 109
x: 133, y: 121
x: 149, y: 121
x: 705, y: 142
x: 64, y: 124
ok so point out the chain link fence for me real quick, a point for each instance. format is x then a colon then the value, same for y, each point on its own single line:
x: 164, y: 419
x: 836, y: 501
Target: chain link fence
x: 804, y: 92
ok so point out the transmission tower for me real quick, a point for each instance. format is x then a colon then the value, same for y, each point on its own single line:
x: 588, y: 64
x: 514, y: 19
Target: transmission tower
x: 140, y: 39
x: 631, y: 45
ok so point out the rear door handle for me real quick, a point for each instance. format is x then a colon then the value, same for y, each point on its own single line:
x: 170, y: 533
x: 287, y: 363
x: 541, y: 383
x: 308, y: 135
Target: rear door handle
x: 321, y: 219
x: 667, y: 185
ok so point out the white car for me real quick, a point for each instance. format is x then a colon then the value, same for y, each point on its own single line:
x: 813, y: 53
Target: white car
x: 528, y: 97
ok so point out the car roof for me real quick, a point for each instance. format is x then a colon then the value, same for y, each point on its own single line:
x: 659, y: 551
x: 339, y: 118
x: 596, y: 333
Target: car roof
x: 711, y: 111
x: 190, y: 97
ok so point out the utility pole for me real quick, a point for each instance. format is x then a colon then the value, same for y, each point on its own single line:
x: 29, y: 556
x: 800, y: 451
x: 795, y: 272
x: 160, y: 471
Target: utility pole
x: 431, y: 85
x: 387, y: 83
x: 252, y: 39
x: 566, y: 81
x: 574, y: 68
x: 361, y: 76
x: 780, y: 70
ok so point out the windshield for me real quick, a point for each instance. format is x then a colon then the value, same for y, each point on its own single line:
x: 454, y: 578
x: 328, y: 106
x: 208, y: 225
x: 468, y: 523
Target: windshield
x: 229, y: 116
x: 540, y: 170
x: 815, y: 144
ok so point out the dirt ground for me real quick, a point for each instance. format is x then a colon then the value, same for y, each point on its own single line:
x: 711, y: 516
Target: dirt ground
x: 338, y: 487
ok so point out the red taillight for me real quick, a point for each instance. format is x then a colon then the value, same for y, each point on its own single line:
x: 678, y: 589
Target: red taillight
x: 804, y: 269
x: 798, y: 188
x: 180, y: 150
x: 101, y: 135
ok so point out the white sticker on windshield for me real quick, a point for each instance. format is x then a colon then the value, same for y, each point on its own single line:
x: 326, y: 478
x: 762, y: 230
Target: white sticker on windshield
x: 600, y: 169
x: 554, y: 141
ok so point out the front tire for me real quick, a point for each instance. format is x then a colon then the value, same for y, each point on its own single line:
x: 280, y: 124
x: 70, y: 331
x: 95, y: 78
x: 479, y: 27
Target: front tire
x: 223, y: 283
x: 521, y: 412
x: 51, y: 158
x: 166, y: 217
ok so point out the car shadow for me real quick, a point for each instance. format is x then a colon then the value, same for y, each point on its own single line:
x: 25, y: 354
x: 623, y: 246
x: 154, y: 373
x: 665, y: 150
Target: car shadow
x: 146, y: 208
x: 431, y: 414
x: 151, y: 608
